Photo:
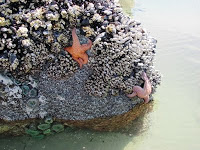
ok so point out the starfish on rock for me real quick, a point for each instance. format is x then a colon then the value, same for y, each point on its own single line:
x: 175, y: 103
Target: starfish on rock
x: 77, y: 50
x: 142, y: 92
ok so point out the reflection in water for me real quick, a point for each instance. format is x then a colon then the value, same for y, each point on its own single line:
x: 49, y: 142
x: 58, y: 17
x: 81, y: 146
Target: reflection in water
x: 141, y: 124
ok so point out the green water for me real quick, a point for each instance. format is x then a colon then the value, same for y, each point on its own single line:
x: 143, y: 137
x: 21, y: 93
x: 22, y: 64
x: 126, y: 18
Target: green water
x: 174, y: 122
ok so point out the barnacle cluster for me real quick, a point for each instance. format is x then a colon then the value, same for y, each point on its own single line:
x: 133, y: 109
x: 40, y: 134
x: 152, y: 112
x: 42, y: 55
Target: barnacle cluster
x: 121, y: 53
x: 34, y: 34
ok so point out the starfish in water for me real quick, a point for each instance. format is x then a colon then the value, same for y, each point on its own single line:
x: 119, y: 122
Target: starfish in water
x: 142, y: 92
x: 77, y: 50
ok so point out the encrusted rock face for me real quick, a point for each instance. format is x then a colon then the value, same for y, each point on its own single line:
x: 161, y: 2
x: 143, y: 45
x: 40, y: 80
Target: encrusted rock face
x: 122, y: 52
x: 38, y: 78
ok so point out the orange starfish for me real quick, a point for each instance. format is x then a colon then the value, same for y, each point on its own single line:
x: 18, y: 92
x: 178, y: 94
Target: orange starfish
x: 77, y: 50
x: 142, y: 92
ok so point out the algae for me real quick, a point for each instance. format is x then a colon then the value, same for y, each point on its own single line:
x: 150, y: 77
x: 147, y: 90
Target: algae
x: 32, y: 132
x: 58, y: 128
x: 4, y: 128
x: 43, y: 126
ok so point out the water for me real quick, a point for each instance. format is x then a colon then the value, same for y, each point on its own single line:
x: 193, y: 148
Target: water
x: 174, y: 122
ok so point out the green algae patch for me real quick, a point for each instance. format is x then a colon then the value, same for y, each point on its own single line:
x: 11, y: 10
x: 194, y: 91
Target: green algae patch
x: 58, y: 128
x: 44, y: 126
x: 47, y: 132
x: 32, y: 132
x: 4, y: 128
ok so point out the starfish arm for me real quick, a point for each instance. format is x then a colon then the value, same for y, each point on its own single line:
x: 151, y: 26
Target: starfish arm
x: 85, y: 58
x: 77, y: 51
x: 146, y: 99
x: 87, y: 46
x: 69, y: 49
x: 140, y: 91
x: 75, y: 37
x: 147, y: 85
x: 79, y: 61
x: 131, y: 95
x: 144, y: 76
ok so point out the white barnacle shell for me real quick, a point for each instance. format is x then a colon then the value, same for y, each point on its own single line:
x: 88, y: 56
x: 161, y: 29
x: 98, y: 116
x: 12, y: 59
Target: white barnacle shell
x: 38, y: 13
x: 97, y: 18
x: 123, y: 40
x: 47, y: 1
x: 36, y: 24
x: 138, y: 36
x: 27, y: 17
x: 53, y: 17
x: 111, y: 28
x: 107, y: 12
x: 54, y: 7
x: 22, y: 32
x: 117, y: 9
x: 56, y: 47
x: 48, y: 25
x: 89, y: 31
x: 14, y: 65
x: 74, y: 11
x: 9, y: 43
x: 90, y: 6
x: 14, y: 1
x: 98, y: 38
x: 2, y: 45
x: 62, y: 38
x: 64, y: 13
x: 4, y: 29
x: 26, y: 42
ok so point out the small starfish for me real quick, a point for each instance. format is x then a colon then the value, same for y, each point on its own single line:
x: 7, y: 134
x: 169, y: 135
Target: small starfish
x: 77, y: 50
x: 142, y: 92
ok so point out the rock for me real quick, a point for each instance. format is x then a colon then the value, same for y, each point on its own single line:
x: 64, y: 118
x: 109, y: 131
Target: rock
x: 99, y: 124
x: 44, y: 79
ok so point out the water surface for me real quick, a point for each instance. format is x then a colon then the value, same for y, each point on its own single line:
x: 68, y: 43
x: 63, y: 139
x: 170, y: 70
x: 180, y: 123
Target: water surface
x: 174, y: 122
